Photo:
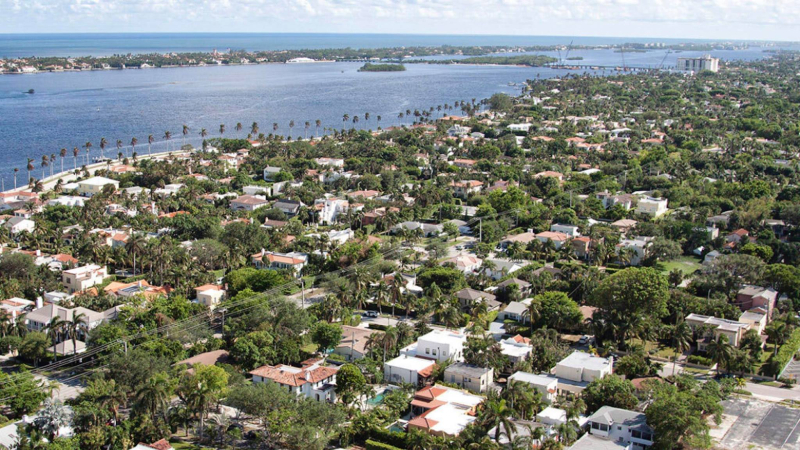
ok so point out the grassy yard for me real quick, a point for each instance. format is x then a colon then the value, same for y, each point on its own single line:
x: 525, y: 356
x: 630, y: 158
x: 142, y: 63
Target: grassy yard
x: 686, y: 264
x: 655, y: 349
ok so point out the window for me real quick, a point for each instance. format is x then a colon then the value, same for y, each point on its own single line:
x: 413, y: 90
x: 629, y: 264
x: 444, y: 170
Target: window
x: 434, y: 352
x: 636, y: 434
x: 427, y: 351
x: 619, y: 428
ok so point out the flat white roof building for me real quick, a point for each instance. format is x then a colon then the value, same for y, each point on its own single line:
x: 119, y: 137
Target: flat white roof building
x: 584, y: 367
x: 439, y: 345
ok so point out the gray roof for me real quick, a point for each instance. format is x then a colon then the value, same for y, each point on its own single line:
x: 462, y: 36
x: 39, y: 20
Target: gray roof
x: 473, y: 294
x: 521, y: 283
x: 516, y: 308
x: 521, y: 428
x: 616, y: 416
x: 592, y: 442
x: 49, y: 311
x: 470, y: 370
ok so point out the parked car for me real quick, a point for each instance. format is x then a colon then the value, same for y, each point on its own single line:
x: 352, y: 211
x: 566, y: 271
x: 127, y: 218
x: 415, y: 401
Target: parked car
x: 586, y: 340
x: 371, y: 313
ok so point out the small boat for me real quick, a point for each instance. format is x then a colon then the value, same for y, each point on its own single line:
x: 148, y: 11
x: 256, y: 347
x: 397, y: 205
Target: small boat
x: 30, y: 91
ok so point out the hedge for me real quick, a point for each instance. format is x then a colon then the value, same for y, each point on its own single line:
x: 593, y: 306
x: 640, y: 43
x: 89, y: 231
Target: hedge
x: 700, y: 360
x: 393, y: 438
x: 787, y: 350
x: 375, y: 445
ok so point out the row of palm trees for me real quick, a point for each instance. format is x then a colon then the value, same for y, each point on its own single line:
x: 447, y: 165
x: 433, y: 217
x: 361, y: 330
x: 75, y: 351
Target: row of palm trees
x: 59, y: 329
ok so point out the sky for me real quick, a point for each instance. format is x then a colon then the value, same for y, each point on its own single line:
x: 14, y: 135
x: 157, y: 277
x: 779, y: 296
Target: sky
x: 698, y: 19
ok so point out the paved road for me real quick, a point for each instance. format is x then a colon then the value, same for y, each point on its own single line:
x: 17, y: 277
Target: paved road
x: 774, y: 394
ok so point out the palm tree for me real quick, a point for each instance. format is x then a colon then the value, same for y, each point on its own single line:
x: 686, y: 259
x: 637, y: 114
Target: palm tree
x: 381, y: 295
x: 78, y: 326
x: 254, y: 129
x: 150, y: 140
x: 720, y: 351
x: 50, y: 419
x: 153, y: 396
x: 203, y: 133
x: 355, y: 121
x: 238, y: 128
x: 306, y: 126
x: 103, y: 144
x: 45, y: 163
x: 119, y: 145
x: 682, y: 337
x: 30, y: 167
x: 134, y: 141
x: 167, y: 137
x: 498, y: 416
x: 222, y: 129
x: 378, y: 119
x: 55, y: 330
x: 135, y: 245
x: 318, y: 123
x: 777, y: 332
x: 63, y: 154
x: 185, y: 132
x: 345, y: 120
x: 87, y: 146
x: 366, y: 117
x: 291, y: 127
x: 16, y: 169
x: 75, y: 156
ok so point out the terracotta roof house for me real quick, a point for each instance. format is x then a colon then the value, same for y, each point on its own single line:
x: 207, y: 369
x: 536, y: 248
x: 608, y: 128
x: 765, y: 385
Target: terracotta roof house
x: 443, y: 411
x: 311, y: 380
x: 354, y: 342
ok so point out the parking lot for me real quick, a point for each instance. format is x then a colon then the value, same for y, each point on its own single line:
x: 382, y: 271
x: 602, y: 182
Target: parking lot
x: 758, y: 424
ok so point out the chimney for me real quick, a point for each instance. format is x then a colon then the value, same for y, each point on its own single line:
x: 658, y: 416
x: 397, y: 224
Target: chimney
x: 38, y: 252
x: 263, y: 252
x: 39, y: 302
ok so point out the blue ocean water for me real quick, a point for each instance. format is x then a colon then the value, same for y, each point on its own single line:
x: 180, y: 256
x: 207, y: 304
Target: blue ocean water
x: 68, y: 109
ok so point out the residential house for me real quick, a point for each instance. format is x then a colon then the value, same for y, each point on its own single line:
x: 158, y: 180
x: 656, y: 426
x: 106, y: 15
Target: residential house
x: 707, y: 328
x: 720, y: 220
x: 39, y: 320
x: 520, y: 433
x: 312, y: 380
x: 469, y: 376
x: 468, y: 298
x: 289, y: 207
x: 579, y: 369
x: 209, y: 295
x: 439, y: 345
x: 737, y: 236
x: 637, y: 247
x: 621, y: 425
x: 427, y: 229
x: 558, y: 239
x: 465, y: 263
x: 546, y: 384
x: 95, y: 185
x: 569, y: 230
x: 523, y: 127
x: 248, y: 202
x: 550, y: 174
x: 458, y: 130
x: 651, y: 206
x: 750, y: 297
x: 409, y: 369
x: 624, y: 225
x: 354, y: 341
x: 522, y: 238
x: 523, y: 287
x: 463, y: 189
x: 336, y: 163
x: 294, y: 261
x: 609, y: 200
x: 443, y: 411
x: 140, y: 287
x: 81, y: 278
x: 516, y: 311
x: 329, y: 209
x: 516, y: 349
x: 161, y: 444
x: 271, y: 172
x: 17, y: 225
x: 503, y: 267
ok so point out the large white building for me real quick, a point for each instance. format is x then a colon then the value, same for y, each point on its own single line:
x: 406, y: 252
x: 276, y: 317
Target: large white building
x: 82, y: 278
x: 439, y: 345
x: 651, y: 206
x: 95, y: 185
x: 408, y: 369
x: 705, y: 62
x: 621, y: 425
x: 313, y: 381
x: 579, y: 369
x: 547, y: 385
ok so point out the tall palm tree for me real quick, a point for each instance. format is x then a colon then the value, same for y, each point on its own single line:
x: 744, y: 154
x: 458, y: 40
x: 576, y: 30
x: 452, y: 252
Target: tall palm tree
x: 134, y: 246
x: 153, y: 397
x: 16, y: 169
x: 222, y: 129
x: 291, y: 127
x: 306, y: 126
x: 378, y: 119
x: 366, y: 117
x: 103, y: 144
x: 75, y: 152
x: 63, y: 154
x: 150, y: 140
x: 345, y: 120
x: 119, y: 145
x: 185, y: 131
x: 30, y: 168
x: 45, y: 163
x: 167, y: 137
x: 134, y: 141
x: 318, y: 123
x: 87, y: 146
x: 682, y: 338
x: 78, y: 326
x: 52, y: 162
x: 720, y: 351
x: 238, y: 128
x: 498, y: 416
x: 355, y: 121
x: 55, y: 329
x: 254, y: 129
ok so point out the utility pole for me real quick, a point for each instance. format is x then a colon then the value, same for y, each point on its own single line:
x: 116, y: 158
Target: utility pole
x: 480, y: 229
x: 303, y: 292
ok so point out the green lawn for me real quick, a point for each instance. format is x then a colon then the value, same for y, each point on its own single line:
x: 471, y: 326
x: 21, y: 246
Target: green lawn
x: 657, y: 349
x: 686, y: 264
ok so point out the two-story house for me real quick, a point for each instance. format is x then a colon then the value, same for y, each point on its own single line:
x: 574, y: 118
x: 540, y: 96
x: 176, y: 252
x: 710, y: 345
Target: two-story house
x: 312, y: 380
x: 82, y: 278
x: 439, y: 345
x: 469, y: 376
x: 625, y: 427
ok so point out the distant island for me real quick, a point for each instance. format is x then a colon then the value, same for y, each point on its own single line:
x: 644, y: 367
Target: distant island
x: 521, y: 60
x: 369, y: 67
x: 575, y: 58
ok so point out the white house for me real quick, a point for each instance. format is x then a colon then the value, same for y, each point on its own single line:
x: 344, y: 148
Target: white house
x: 651, y: 206
x: 439, y: 345
x: 209, y: 295
x: 337, y: 163
x: 469, y: 376
x: 569, y: 230
x: 95, y: 185
x: 82, y: 278
x: 248, y: 202
x: 524, y: 127
x: 547, y: 385
x: 639, y: 245
x: 16, y: 225
x: 271, y: 172
x: 408, y: 369
x: 294, y: 261
x: 621, y: 425
x: 582, y: 368
x: 313, y: 380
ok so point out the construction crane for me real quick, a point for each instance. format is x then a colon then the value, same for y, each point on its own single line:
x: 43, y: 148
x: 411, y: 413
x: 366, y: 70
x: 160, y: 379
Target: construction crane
x: 569, y: 49
x: 660, y: 66
x: 622, y: 53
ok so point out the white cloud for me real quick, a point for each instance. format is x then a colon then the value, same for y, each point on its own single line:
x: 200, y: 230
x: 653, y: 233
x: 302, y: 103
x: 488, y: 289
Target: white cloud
x: 741, y: 19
